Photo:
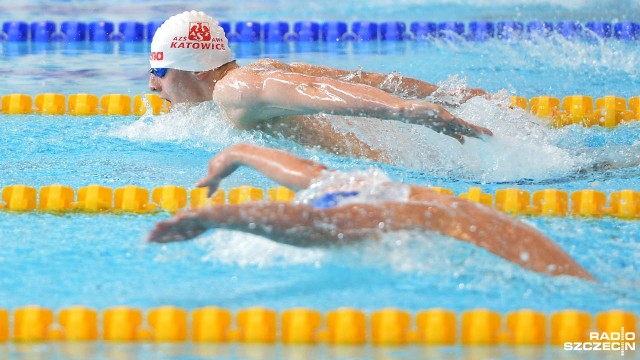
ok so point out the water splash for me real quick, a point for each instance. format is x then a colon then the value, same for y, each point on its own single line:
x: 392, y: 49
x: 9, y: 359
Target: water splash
x: 405, y: 253
x: 449, y: 92
x: 203, y: 125
x: 593, y: 56
x: 234, y: 248
x: 417, y: 252
x: 437, y: 265
x: 572, y: 4
x: 523, y: 146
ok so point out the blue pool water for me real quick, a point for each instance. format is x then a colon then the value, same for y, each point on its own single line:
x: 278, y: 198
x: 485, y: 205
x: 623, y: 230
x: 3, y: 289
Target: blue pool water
x: 59, y: 260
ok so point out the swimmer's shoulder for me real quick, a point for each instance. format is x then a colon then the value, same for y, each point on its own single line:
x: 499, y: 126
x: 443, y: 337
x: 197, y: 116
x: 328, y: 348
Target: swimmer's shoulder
x: 253, y: 70
x: 244, y: 79
x: 268, y: 64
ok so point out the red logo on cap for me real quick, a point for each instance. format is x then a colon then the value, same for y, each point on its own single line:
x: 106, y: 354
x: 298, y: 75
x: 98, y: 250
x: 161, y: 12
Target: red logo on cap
x: 199, y: 31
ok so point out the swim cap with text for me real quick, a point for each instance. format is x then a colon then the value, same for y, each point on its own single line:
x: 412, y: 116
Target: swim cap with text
x: 190, y: 41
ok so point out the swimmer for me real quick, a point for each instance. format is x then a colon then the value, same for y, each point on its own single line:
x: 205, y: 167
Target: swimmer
x: 335, y: 208
x: 191, y: 63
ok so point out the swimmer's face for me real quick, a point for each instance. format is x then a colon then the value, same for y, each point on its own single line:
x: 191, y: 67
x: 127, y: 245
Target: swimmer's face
x: 176, y: 86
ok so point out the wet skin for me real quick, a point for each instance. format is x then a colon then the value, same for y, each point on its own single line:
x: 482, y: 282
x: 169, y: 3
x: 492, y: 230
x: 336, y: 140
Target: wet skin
x: 302, y: 225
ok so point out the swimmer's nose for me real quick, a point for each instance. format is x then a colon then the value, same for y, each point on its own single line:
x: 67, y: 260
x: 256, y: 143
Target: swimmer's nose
x: 154, y: 84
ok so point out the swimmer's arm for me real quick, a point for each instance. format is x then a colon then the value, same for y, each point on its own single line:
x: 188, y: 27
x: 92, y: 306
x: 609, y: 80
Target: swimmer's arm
x: 392, y: 83
x: 276, y: 94
x: 292, y: 224
x: 302, y: 225
x: 282, y: 167
x: 483, y: 226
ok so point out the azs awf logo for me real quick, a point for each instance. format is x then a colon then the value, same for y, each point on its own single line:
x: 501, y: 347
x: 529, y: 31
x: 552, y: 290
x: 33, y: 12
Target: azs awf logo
x: 199, y: 31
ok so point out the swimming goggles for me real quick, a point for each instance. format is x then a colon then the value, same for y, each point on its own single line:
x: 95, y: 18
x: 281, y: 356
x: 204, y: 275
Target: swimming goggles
x: 159, y: 72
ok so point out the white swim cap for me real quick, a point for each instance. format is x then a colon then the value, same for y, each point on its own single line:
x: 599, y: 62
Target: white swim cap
x: 191, y: 41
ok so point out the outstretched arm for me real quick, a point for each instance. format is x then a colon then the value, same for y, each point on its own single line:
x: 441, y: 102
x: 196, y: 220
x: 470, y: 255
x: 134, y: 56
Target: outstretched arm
x: 293, y: 224
x: 263, y: 96
x: 392, y: 83
x: 301, y: 225
x: 497, y: 232
x: 282, y: 167
x: 493, y: 230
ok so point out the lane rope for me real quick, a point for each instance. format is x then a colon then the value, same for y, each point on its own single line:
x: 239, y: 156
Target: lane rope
x: 328, y: 31
x: 607, y: 111
x: 623, y: 204
x: 343, y: 326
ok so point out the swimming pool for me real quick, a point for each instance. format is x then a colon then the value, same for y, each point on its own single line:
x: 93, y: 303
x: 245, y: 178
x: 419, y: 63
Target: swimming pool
x: 101, y: 261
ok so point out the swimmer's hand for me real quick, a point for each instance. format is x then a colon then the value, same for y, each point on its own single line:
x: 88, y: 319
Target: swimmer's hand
x: 183, y: 226
x: 221, y: 166
x: 442, y: 121
x: 457, y: 128
x: 210, y: 182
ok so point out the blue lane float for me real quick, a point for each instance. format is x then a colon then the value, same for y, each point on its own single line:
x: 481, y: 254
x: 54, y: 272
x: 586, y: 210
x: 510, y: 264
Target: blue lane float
x: 481, y: 30
x: 131, y: 31
x: 101, y: 31
x: 306, y: 31
x: 626, y: 30
x: 333, y: 31
x: 276, y: 31
x: 599, y: 28
x: 73, y: 31
x: 15, y: 31
x: 450, y: 30
x: 568, y: 29
x: 393, y: 31
x: 247, y: 31
x: 540, y: 28
x: 365, y: 30
x: 509, y: 30
x: 42, y: 31
x: 424, y: 30
x: 330, y: 31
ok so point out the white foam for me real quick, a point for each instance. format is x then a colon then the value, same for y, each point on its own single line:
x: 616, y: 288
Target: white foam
x: 203, y: 124
x: 242, y: 249
x: 590, y: 57
x: 523, y: 146
x: 568, y: 4
x: 412, y: 252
